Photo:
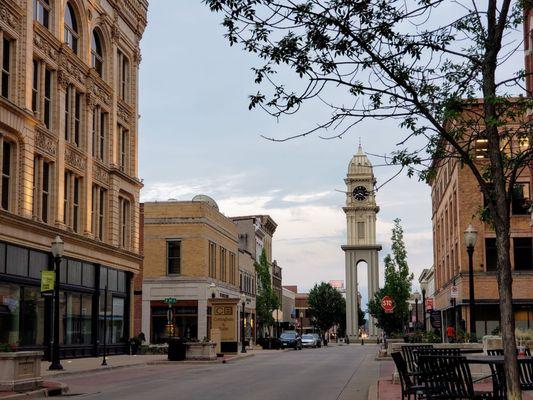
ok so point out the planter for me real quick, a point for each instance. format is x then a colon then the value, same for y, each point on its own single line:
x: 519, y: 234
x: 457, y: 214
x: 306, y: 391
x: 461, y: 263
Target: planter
x: 491, y: 342
x: 201, y: 351
x: 20, y: 371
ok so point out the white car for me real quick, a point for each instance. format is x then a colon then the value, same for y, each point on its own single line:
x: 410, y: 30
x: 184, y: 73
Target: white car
x: 309, y: 340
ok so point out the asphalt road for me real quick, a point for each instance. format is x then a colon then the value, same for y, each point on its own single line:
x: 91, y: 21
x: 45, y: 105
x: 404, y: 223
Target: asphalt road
x: 328, y: 373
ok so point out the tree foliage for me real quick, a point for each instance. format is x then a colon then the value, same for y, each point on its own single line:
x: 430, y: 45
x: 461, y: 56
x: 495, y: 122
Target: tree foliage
x: 446, y: 71
x: 397, y: 285
x: 267, y: 299
x: 326, y: 306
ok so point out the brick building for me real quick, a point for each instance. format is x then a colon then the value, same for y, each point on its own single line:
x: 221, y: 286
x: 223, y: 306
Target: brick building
x: 68, y: 165
x: 188, y: 245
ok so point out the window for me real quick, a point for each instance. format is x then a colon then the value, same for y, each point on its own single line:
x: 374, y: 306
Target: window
x: 481, y: 148
x: 174, y: 257
x: 73, y: 115
x: 6, y: 173
x: 212, y: 260
x: 523, y: 253
x: 123, y: 76
x: 519, y: 204
x: 223, y: 264
x: 6, y: 64
x: 124, y: 223
x: 98, y: 211
x: 41, y: 98
x: 124, y: 148
x: 41, y: 188
x: 491, y: 254
x: 99, y: 133
x: 71, y: 28
x: 41, y: 12
x: 232, y: 268
x: 72, y: 196
x: 97, y: 57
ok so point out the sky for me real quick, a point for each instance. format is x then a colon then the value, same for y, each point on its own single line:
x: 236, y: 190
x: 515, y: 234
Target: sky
x: 197, y: 136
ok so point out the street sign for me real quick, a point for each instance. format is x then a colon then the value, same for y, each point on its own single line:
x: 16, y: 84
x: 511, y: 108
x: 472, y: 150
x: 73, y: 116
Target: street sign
x: 387, y: 304
x: 454, y: 292
x: 48, y: 279
x: 429, y: 304
x: 170, y: 300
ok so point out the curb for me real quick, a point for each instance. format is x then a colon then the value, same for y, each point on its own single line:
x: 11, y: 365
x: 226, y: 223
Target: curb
x: 51, y: 388
x: 232, y: 360
x: 373, y: 392
x: 106, y: 368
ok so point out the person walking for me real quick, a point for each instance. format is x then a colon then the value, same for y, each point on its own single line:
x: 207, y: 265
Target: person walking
x: 450, y: 333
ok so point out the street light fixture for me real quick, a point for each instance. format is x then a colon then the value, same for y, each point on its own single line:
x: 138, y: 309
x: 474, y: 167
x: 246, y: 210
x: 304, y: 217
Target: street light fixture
x: 58, y: 247
x: 470, y: 236
x: 410, y: 316
x: 243, y: 334
x: 213, y: 290
x: 424, y: 308
x: 416, y: 296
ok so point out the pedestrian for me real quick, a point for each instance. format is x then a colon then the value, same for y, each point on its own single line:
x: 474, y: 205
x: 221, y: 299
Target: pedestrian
x: 450, y: 333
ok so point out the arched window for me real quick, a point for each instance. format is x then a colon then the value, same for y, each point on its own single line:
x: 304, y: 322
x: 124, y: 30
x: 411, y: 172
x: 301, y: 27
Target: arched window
x: 41, y: 12
x: 97, y: 55
x: 71, y: 28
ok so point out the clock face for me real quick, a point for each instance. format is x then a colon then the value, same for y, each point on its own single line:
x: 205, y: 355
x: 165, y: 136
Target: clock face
x: 360, y: 193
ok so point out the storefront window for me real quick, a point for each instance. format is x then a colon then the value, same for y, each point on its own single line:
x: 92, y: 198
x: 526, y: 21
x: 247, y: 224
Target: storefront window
x: 118, y: 320
x: 17, y: 261
x: 105, y: 317
x: 21, y: 315
x: 38, y: 263
x: 78, y: 319
x: 2, y: 258
x: 74, y: 272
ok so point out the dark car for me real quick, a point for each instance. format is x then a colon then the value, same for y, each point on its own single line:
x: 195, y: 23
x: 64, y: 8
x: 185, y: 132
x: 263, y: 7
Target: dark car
x: 290, y: 340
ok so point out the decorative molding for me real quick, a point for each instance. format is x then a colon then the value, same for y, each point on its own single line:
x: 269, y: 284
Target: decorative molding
x: 75, y: 73
x: 44, y: 45
x: 45, y: 143
x: 100, y: 174
x: 123, y: 112
x: 8, y: 17
x: 62, y: 79
x: 133, y: 12
x: 74, y: 159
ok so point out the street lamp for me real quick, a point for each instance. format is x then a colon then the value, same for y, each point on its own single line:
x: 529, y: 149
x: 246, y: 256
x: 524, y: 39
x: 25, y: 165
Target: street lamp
x: 57, y: 251
x: 424, y: 308
x: 213, y: 290
x: 470, y: 236
x: 416, y: 296
x: 243, y: 301
x: 410, y: 316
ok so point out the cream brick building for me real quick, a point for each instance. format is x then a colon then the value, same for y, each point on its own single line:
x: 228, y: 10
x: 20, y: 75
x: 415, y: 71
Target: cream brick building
x: 188, y: 245
x: 68, y: 163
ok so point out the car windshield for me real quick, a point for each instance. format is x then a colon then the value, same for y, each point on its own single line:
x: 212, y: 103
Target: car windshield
x: 308, y: 337
x: 288, y: 335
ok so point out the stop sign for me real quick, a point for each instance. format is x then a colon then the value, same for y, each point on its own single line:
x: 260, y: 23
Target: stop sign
x: 387, y: 304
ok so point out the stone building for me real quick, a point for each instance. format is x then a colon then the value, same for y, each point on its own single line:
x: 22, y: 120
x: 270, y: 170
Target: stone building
x: 68, y: 165
x: 189, y: 248
x: 288, y: 306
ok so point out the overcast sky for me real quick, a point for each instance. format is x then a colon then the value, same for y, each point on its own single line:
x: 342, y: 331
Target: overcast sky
x: 197, y: 136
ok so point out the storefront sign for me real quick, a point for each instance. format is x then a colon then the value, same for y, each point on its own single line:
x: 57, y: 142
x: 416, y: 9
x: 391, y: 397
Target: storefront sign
x: 47, y: 282
x: 387, y: 304
x: 223, y: 318
x: 454, y: 292
x: 435, y: 319
x: 429, y: 304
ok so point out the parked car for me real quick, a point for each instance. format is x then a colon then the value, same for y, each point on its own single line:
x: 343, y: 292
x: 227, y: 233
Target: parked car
x: 318, y: 339
x: 309, y: 340
x: 290, y: 340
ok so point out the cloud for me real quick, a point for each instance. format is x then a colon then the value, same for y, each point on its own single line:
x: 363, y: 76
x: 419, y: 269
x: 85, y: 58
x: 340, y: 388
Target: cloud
x: 303, y: 198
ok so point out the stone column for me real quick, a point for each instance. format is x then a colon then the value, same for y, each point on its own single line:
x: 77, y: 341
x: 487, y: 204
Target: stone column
x: 352, y: 323
x: 202, y: 318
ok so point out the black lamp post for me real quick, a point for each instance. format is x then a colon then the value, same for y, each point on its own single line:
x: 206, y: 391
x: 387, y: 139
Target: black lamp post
x: 104, y: 360
x: 243, y: 333
x: 410, y: 316
x: 470, y: 236
x: 57, y: 251
x: 416, y: 296
x: 424, y: 308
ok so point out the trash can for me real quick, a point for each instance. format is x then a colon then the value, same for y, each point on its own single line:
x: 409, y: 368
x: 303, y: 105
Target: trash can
x: 176, y: 349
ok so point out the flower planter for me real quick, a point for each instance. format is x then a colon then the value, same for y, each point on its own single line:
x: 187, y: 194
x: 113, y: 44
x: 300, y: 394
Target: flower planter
x: 201, y: 351
x: 20, y: 371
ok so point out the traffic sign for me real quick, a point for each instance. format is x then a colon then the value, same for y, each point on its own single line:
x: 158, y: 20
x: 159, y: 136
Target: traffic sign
x: 387, y: 304
x: 454, y: 292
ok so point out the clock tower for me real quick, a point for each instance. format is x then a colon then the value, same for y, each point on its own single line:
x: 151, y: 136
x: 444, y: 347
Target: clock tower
x: 360, y: 210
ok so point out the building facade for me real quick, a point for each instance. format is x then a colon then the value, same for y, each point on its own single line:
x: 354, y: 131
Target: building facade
x: 289, y: 307
x: 68, y: 163
x: 427, y: 286
x: 189, y: 249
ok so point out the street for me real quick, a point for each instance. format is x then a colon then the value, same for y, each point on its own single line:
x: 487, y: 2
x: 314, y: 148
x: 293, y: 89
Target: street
x: 333, y: 372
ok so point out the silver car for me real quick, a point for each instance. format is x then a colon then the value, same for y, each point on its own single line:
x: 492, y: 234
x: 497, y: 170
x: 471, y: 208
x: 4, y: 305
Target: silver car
x: 318, y: 339
x: 309, y: 340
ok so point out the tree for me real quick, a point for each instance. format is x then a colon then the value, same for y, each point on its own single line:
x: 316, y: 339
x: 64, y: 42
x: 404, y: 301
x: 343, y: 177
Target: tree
x: 444, y: 70
x: 397, y: 285
x: 267, y: 299
x: 327, y: 306
x: 360, y: 316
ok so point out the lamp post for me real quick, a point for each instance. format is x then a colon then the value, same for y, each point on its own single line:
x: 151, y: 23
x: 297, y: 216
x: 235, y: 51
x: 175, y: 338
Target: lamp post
x: 213, y: 290
x: 470, y: 236
x: 410, y: 316
x: 424, y: 308
x: 57, y: 251
x: 243, y: 334
x: 416, y: 296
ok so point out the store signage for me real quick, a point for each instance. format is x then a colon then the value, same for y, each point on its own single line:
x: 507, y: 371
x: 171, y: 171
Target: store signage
x: 435, y: 319
x: 454, y: 292
x: 48, y: 279
x: 429, y: 304
x: 387, y: 304
x: 223, y: 318
x: 170, y: 300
